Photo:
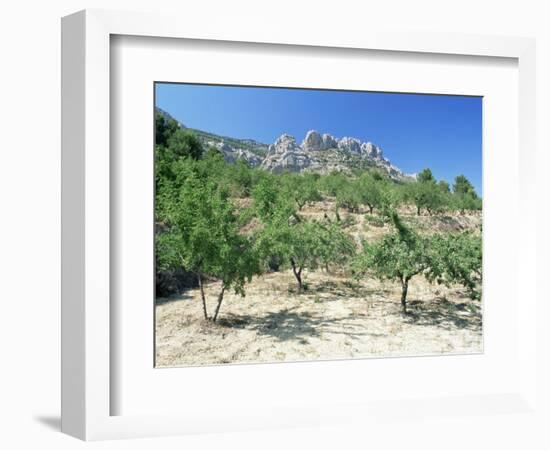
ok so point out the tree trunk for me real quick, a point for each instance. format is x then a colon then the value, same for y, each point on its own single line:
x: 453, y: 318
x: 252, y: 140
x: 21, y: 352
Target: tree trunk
x: 297, y: 273
x: 418, y: 210
x: 220, y: 298
x: 404, y: 289
x: 370, y: 208
x: 199, y: 276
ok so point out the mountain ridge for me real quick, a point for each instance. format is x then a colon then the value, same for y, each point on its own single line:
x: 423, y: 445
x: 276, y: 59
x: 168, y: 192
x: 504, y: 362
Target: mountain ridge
x: 321, y: 153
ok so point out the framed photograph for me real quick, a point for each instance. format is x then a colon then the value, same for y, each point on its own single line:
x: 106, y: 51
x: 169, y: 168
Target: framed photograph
x: 308, y: 244
x: 266, y: 229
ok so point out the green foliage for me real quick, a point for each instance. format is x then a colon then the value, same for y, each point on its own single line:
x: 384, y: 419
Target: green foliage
x: 434, y: 197
x: 463, y: 186
x: 377, y: 175
x: 203, y: 236
x: 242, y: 179
x: 270, y: 202
x: 397, y: 256
x: 201, y: 221
x: 403, y: 254
x: 212, y: 152
x: 457, y: 258
x: 332, y: 183
x: 173, y: 145
x: 425, y: 195
x: 369, y: 188
x: 302, y: 188
x: 348, y: 197
x: 173, y: 142
x: 444, y: 186
x: 425, y: 176
x: 466, y: 202
x: 183, y: 143
x: 336, y: 247
x: 464, y: 196
x: 372, y: 191
x: 164, y: 128
x: 306, y: 244
x: 394, y: 257
x: 265, y: 196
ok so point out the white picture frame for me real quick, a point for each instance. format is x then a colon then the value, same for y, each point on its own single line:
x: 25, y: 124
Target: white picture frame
x: 87, y: 317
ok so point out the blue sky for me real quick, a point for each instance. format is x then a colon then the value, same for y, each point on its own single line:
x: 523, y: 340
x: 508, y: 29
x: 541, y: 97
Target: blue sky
x: 415, y: 131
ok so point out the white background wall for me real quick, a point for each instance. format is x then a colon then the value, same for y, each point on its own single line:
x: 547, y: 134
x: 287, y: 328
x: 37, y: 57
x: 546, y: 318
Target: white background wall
x: 30, y: 193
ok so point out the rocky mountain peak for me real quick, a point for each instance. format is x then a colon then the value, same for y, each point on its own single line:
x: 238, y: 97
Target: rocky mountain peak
x: 329, y: 141
x: 350, y: 145
x: 284, y: 143
x: 286, y: 155
x: 325, y: 153
x: 312, y: 142
x: 371, y: 150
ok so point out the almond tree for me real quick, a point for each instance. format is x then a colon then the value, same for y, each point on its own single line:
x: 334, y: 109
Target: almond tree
x: 349, y: 197
x: 202, y: 237
x: 303, y: 245
x: 336, y: 247
x: 371, y: 191
x: 301, y: 187
x: 266, y: 199
x: 425, y: 194
x: 399, y: 256
x: 291, y: 244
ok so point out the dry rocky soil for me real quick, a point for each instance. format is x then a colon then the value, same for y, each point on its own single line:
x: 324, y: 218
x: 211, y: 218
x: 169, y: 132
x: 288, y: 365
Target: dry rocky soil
x: 337, y: 317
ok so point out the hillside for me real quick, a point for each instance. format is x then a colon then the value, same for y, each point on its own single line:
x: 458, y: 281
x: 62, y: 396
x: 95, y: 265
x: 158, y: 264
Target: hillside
x: 316, y: 153
x: 311, y: 251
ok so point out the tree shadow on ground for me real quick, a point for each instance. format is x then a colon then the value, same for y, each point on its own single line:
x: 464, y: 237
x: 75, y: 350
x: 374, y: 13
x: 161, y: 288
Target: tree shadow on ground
x: 283, y: 325
x: 173, y: 298
x: 289, y: 324
x: 296, y: 324
x: 445, y: 314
